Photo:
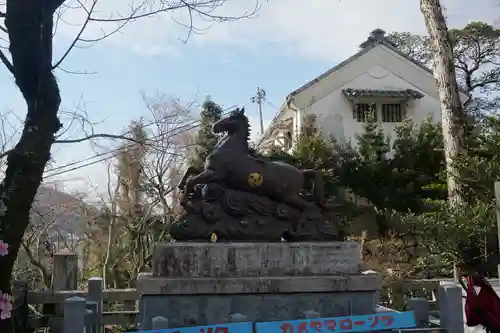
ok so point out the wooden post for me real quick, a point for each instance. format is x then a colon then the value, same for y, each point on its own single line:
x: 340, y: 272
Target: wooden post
x: 497, y: 201
x: 64, y: 278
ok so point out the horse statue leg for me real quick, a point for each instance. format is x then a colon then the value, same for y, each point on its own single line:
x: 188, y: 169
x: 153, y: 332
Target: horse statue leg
x: 206, y: 176
x: 191, y: 170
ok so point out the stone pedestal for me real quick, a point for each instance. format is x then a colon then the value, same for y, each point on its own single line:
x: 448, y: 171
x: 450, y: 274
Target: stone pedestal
x: 204, y: 283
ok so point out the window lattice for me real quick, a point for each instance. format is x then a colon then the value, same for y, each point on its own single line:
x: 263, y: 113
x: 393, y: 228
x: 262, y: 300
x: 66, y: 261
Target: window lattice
x: 363, y: 111
x: 392, y: 113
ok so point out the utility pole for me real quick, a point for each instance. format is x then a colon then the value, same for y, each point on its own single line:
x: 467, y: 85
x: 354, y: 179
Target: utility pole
x: 258, y: 98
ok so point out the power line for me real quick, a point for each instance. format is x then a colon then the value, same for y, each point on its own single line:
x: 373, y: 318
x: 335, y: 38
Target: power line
x: 258, y: 98
x: 272, y: 105
x: 119, y: 149
x: 115, y: 152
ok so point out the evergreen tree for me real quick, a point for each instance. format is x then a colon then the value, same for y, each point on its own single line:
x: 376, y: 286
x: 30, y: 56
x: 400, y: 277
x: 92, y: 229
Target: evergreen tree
x: 365, y: 167
x: 373, y: 145
x: 206, y: 139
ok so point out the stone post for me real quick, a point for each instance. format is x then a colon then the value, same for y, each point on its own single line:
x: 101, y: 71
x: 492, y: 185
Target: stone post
x: 309, y: 314
x: 497, y: 201
x: 74, y: 315
x: 420, y: 307
x: 65, y: 271
x: 236, y: 318
x: 451, y: 313
x: 64, y: 278
x: 89, y: 322
x: 95, y: 288
x: 92, y: 320
x: 160, y: 323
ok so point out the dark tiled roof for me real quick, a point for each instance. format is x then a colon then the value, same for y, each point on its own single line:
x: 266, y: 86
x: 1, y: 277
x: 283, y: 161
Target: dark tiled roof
x: 407, y: 93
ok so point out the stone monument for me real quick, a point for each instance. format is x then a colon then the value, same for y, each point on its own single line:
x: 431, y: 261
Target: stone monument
x: 250, y: 273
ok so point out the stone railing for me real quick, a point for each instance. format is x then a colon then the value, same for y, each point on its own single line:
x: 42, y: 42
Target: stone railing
x: 84, y: 315
x: 64, y: 306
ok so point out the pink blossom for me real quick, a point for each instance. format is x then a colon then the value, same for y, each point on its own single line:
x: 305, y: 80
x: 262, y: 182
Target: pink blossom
x: 4, y: 248
x: 4, y: 314
x: 5, y: 297
x: 5, y: 306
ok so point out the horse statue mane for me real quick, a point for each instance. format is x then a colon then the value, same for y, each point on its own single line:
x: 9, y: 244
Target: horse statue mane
x: 240, y: 114
x: 240, y: 197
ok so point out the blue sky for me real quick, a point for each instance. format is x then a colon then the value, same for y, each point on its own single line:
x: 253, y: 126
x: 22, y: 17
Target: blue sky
x: 287, y: 44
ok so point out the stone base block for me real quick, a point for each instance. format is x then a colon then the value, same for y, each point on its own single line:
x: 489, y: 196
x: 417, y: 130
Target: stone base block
x: 147, y: 284
x: 255, y: 259
x: 205, y: 301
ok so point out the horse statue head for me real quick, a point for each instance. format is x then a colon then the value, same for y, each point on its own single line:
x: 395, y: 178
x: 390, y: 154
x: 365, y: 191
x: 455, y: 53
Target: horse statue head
x: 234, y: 123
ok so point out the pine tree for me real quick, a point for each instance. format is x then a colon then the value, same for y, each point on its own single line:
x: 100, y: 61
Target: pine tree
x: 373, y: 145
x: 206, y: 139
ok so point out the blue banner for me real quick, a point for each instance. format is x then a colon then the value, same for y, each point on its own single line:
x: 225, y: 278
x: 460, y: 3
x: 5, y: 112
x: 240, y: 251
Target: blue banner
x: 366, y: 323
x: 246, y: 327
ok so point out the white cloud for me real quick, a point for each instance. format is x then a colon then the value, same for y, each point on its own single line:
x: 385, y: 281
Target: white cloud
x: 333, y: 30
x: 326, y: 29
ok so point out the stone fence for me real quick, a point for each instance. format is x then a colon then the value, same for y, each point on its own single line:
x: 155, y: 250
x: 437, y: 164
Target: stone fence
x: 436, y: 307
x: 85, y: 315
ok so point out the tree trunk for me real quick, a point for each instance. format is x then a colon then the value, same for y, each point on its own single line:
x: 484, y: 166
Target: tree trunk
x: 452, y: 111
x: 29, y: 26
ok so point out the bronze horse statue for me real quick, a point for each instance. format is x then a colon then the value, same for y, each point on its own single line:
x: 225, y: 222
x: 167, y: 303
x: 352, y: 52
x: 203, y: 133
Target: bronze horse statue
x: 231, y: 164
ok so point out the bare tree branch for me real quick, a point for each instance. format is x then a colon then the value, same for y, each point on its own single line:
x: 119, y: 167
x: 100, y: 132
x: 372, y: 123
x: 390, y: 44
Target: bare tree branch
x: 94, y: 136
x: 82, y: 29
x: 6, y: 62
x: 90, y: 137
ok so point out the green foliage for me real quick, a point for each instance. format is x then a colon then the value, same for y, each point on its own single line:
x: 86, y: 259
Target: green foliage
x: 476, y: 49
x: 460, y: 235
x: 373, y: 145
x: 415, y: 46
x: 402, y: 179
x: 206, y: 139
x: 319, y: 153
x: 365, y: 168
x: 480, y: 166
x: 405, y: 179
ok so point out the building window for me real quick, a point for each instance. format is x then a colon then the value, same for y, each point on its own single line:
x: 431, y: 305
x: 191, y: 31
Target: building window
x: 392, y: 113
x: 363, y: 111
x: 288, y: 141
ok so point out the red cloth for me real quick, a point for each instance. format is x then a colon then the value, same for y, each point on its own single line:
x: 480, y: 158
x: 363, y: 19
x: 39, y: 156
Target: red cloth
x: 482, y: 308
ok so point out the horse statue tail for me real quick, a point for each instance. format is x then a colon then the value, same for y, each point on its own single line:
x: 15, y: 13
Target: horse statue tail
x: 318, y: 184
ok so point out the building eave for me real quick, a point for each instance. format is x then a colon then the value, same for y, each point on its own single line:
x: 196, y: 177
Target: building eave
x: 366, y: 47
x: 272, y: 125
x: 378, y: 93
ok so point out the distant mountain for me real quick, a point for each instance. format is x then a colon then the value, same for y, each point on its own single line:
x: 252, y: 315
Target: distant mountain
x: 65, y: 214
